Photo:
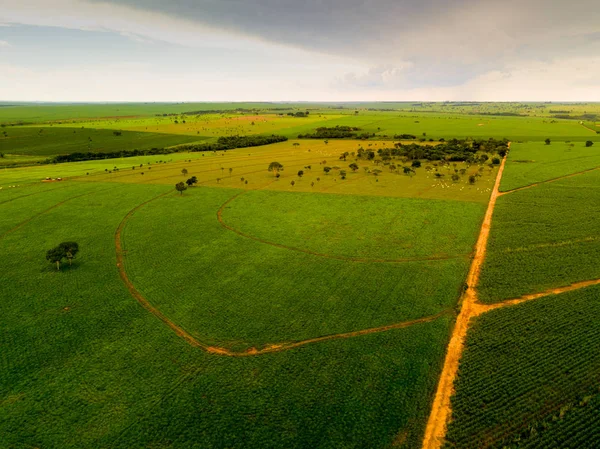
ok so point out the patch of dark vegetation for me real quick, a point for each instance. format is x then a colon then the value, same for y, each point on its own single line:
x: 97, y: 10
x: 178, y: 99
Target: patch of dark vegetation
x: 590, y: 117
x: 336, y: 132
x: 453, y: 151
x: 499, y: 114
x: 222, y: 144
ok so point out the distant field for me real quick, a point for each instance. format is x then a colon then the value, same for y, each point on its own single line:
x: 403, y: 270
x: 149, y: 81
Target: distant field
x: 535, y: 161
x: 50, y: 141
x: 529, y: 377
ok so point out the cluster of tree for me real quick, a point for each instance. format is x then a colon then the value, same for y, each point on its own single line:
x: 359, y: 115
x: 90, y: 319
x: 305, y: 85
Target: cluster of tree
x: 499, y: 114
x: 222, y: 144
x: 405, y: 137
x: 590, y: 117
x: 336, y: 132
x: 299, y: 114
x: 453, y: 150
x: 66, y: 250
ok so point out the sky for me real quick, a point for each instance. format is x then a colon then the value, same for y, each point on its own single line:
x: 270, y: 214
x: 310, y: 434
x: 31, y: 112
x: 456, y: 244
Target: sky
x: 299, y: 50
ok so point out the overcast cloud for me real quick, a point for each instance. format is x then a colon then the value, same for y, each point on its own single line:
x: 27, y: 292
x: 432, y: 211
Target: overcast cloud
x: 314, y: 49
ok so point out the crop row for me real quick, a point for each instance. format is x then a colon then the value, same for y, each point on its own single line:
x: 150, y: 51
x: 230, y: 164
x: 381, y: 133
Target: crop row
x: 527, y: 367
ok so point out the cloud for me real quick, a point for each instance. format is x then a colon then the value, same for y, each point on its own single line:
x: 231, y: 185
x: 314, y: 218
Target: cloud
x: 4, y: 44
x: 351, y: 49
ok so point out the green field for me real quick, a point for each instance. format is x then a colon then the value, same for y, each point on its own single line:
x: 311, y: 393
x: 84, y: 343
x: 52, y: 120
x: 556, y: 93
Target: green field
x: 529, y: 377
x: 312, y: 309
x: 543, y: 237
x: 49, y: 141
x: 536, y: 162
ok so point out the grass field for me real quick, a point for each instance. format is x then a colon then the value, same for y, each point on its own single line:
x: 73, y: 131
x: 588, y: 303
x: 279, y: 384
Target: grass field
x: 49, y: 141
x: 529, y: 377
x: 82, y: 323
x: 536, y: 162
x: 309, y: 310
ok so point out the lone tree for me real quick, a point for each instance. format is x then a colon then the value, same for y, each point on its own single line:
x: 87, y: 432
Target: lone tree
x: 55, y: 255
x: 192, y: 181
x: 71, y: 249
x: 547, y: 141
x: 66, y: 250
x: 275, y: 167
x: 184, y: 172
x: 180, y: 187
x: 589, y: 143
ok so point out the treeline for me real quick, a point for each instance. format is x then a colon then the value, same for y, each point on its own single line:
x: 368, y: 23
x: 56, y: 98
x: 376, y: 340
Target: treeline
x: 499, y: 114
x: 453, y: 150
x: 590, y: 117
x: 337, y: 132
x: 222, y: 144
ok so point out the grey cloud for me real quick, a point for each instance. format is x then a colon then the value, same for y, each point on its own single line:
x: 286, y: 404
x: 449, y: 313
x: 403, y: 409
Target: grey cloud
x: 454, y: 40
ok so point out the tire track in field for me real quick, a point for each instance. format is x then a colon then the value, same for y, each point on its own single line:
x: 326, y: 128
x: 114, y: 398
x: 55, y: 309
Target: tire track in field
x: 23, y: 223
x: 34, y: 193
x: 269, y: 348
x: 549, y: 181
x: 326, y: 256
x: 531, y: 296
x: 441, y: 408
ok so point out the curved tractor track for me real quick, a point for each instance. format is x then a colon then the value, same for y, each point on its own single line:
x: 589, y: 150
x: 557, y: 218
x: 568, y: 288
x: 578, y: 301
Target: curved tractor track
x: 314, y: 253
x: 270, y: 348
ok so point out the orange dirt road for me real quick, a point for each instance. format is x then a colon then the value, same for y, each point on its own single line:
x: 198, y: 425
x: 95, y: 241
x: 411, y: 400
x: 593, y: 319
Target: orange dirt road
x: 440, y: 412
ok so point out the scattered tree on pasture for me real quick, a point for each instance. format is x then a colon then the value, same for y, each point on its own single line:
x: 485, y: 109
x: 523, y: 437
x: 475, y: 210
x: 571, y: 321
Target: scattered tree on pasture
x: 293, y: 183
x: 589, y: 143
x: 455, y: 177
x: 353, y: 166
x: 275, y: 167
x: 300, y: 173
x: 184, y: 172
x: 180, y: 187
x: 416, y: 163
x: 547, y: 141
x: 230, y: 170
x: 472, y: 179
x: 192, y: 181
x: 326, y: 170
x: 343, y: 174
